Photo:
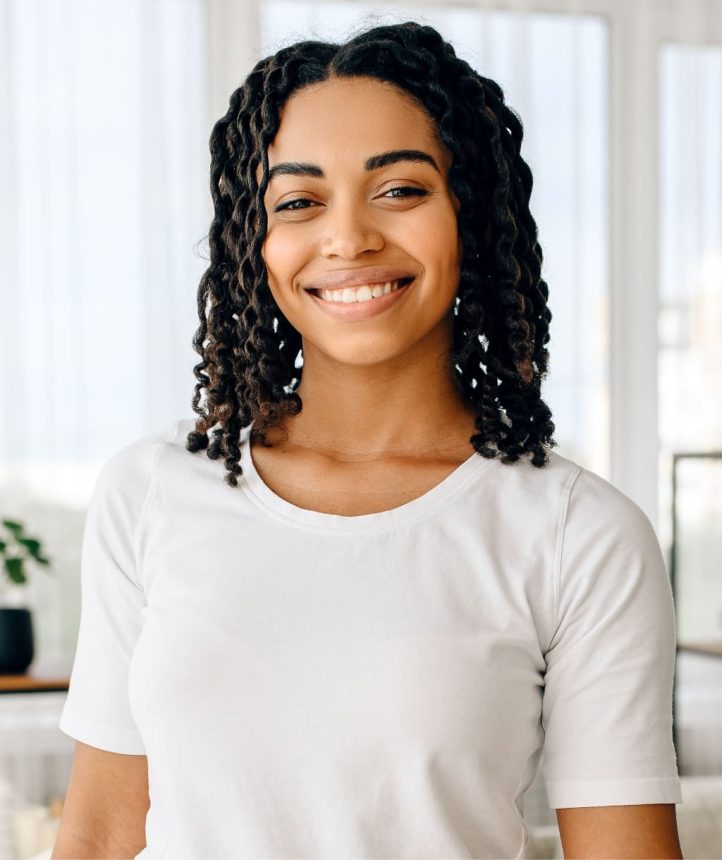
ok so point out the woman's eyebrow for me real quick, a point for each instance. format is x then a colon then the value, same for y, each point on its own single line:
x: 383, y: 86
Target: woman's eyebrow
x: 300, y: 168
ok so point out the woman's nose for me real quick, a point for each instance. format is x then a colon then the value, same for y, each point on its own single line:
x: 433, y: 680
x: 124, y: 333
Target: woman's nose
x: 350, y: 231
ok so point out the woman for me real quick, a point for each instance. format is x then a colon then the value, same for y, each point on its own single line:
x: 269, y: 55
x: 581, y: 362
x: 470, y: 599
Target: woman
x: 363, y: 646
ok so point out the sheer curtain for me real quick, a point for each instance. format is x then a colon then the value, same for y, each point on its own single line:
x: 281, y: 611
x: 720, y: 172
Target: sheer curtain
x: 103, y: 207
x: 690, y: 371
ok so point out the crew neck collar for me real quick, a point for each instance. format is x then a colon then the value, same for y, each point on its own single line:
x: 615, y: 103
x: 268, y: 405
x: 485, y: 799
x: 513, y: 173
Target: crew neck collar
x: 382, y: 521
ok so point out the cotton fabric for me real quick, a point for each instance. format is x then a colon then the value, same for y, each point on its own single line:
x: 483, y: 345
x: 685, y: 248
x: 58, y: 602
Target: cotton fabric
x: 309, y: 685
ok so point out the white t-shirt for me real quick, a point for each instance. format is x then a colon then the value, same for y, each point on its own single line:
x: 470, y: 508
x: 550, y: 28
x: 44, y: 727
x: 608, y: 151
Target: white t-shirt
x: 310, y: 685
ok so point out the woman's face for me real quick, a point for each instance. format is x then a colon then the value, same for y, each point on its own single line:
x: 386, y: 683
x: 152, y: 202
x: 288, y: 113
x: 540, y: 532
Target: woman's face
x: 347, y: 216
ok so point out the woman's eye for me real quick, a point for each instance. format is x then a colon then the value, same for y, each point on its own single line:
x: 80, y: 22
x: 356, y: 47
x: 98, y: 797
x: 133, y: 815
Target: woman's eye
x: 291, y: 203
x: 420, y: 192
x: 410, y: 189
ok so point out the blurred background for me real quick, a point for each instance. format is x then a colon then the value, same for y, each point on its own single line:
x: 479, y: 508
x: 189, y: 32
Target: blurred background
x: 106, y: 107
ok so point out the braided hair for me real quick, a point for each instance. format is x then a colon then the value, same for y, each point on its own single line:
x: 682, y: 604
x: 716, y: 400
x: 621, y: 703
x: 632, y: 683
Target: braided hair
x: 248, y: 348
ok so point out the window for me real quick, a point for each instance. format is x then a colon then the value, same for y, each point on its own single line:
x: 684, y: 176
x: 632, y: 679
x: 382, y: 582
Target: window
x: 690, y: 254
x: 104, y: 199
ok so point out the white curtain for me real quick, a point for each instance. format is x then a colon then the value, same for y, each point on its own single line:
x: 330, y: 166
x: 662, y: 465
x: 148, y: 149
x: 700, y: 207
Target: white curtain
x: 690, y: 380
x: 104, y: 206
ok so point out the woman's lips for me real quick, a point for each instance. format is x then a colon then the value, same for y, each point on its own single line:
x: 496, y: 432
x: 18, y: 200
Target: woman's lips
x: 361, y: 310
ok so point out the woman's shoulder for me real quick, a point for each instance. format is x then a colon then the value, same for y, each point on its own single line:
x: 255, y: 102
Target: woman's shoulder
x: 594, y: 521
x: 525, y: 486
x: 563, y: 495
x: 592, y: 496
x: 135, y: 458
x: 127, y: 474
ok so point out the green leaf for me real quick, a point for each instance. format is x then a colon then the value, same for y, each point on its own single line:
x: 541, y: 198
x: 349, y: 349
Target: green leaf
x: 14, y: 568
x: 2, y: 545
x: 32, y: 545
x: 14, y: 527
x: 34, y: 550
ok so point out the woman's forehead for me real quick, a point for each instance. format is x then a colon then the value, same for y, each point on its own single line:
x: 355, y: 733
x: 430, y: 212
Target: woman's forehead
x: 341, y: 125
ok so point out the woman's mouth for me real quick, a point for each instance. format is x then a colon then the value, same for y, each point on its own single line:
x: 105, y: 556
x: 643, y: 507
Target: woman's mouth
x: 362, y: 302
x: 363, y: 293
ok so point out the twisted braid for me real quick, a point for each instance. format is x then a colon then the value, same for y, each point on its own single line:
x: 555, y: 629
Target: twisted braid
x: 248, y: 348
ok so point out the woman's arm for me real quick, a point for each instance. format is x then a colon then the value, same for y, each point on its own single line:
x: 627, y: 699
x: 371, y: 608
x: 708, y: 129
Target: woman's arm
x: 105, y: 806
x: 634, y: 831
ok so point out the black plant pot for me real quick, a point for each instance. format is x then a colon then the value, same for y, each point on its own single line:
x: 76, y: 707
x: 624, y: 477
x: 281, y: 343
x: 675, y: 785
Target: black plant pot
x: 17, y: 647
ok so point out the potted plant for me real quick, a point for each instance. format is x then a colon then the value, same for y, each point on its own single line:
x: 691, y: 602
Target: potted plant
x: 17, y: 647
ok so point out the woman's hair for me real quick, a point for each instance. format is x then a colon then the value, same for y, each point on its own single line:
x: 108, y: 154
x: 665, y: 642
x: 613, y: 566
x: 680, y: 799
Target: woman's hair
x: 501, y: 318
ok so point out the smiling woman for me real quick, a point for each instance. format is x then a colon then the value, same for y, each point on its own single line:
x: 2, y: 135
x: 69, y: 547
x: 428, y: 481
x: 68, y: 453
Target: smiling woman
x: 357, y: 230
x: 364, y: 651
x: 387, y: 154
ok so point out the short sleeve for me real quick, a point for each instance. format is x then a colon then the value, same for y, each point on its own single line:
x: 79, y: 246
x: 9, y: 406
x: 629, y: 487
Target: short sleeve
x: 607, y: 697
x: 112, y: 603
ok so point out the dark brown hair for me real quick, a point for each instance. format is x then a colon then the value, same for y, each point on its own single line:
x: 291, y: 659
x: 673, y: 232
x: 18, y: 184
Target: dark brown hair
x: 249, y: 349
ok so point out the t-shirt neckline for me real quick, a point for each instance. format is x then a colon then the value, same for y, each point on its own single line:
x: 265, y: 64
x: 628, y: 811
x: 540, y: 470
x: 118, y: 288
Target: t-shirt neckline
x: 439, y: 495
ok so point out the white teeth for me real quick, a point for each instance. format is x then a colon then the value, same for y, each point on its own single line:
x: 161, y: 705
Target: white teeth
x: 359, y: 294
